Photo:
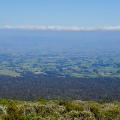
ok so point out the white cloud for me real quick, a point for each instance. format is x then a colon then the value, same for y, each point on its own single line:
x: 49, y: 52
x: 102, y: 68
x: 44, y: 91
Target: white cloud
x: 111, y: 28
x: 61, y: 28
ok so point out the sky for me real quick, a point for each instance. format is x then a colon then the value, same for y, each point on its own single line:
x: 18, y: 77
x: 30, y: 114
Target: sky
x: 60, y: 14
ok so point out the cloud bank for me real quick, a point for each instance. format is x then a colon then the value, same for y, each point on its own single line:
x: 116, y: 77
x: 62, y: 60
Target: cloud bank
x: 59, y: 28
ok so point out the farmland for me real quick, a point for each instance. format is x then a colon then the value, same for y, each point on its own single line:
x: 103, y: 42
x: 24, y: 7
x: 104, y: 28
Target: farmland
x: 63, y: 64
x: 53, y: 69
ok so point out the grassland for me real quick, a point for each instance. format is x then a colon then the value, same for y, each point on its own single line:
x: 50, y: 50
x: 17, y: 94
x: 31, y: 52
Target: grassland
x: 77, y: 64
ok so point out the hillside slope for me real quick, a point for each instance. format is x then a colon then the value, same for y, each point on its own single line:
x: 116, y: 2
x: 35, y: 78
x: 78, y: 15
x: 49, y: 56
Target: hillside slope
x: 42, y: 109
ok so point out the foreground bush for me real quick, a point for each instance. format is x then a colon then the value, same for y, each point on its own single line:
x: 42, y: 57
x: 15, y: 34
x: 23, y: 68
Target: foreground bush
x: 14, y: 113
x: 59, y: 110
x: 69, y: 107
x: 112, y: 114
x: 96, y: 111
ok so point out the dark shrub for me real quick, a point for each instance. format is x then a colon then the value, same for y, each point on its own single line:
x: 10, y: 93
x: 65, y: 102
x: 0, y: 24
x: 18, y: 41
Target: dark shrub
x: 94, y: 109
x: 14, y: 113
x: 112, y: 114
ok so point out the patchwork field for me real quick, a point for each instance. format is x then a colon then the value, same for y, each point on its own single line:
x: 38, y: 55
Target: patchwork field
x: 77, y: 64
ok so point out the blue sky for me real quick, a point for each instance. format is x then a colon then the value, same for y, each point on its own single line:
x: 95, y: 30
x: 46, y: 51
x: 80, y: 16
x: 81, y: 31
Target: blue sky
x: 64, y: 13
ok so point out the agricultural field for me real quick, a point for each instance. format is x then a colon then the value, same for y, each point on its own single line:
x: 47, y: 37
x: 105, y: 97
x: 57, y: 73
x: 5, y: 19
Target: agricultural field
x: 59, y: 68
x: 97, y: 64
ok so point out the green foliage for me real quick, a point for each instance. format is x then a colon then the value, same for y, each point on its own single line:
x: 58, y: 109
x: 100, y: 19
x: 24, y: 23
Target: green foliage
x: 69, y: 107
x: 102, y: 102
x: 14, y: 113
x: 63, y: 102
x: 112, y: 114
x: 1, y: 112
x: 6, y: 117
x: 115, y: 102
x: 41, y: 100
x: 82, y: 115
x: 8, y: 101
x: 60, y: 109
x: 30, y: 116
x: 78, y: 107
x: 44, y: 111
x: 5, y: 101
x: 94, y: 109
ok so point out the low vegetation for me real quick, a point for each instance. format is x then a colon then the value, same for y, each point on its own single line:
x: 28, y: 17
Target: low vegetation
x: 42, y: 109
